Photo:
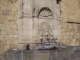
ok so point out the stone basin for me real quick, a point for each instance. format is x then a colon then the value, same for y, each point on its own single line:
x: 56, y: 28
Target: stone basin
x: 61, y: 54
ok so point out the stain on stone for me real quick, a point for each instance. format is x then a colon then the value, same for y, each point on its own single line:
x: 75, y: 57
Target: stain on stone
x: 58, y: 1
x: 5, y: 12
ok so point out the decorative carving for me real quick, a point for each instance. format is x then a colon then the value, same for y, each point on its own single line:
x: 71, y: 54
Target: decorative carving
x: 45, y: 31
x: 45, y: 12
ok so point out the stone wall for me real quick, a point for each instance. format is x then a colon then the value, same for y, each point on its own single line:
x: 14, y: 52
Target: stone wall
x: 8, y: 26
x: 70, y: 12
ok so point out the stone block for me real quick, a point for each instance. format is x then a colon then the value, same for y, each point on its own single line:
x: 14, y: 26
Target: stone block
x: 15, y: 9
x: 0, y: 31
x: 3, y: 32
x: 3, y: 17
x: 15, y: 32
x: 16, y: 13
x: 10, y: 17
x: 14, y: 41
x: 63, y: 20
x: 2, y: 37
x: 0, y: 12
x: 15, y: 5
x: 12, y: 22
x: 12, y: 1
x: 12, y: 46
x: 7, y: 37
x: 3, y: 7
x: 12, y: 13
x: 10, y: 27
x: 6, y: 22
x: 28, y: 55
x: 76, y: 35
x: 0, y: 8
x: 1, y: 21
x: 2, y: 26
x: 3, y: 3
x: 8, y: 32
x: 9, y: 8
x: 15, y: 17
x: 40, y: 56
x: 68, y: 33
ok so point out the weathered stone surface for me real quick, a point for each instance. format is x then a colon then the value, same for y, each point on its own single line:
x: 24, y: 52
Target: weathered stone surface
x: 9, y: 33
x: 62, y: 54
x: 7, y: 26
x: 69, y: 14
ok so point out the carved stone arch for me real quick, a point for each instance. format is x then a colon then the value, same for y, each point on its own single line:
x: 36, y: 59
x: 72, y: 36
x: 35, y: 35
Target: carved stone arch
x: 45, y: 12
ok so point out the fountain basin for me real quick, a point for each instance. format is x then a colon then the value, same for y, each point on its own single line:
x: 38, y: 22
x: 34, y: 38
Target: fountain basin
x: 60, y: 54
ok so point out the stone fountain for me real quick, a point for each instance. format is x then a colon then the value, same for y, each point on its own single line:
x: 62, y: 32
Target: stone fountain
x: 40, y: 21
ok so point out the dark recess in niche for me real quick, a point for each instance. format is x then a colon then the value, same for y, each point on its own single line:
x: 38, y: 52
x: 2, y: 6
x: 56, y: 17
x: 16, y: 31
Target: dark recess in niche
x: 33, y: 12
x: 58, y: 1
x: 60, y: 11
x: 44, y: 8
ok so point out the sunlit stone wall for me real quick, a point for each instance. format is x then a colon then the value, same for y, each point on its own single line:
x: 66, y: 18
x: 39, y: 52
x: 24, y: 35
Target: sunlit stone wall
x: 8, y: 26
x: 9, y: 33
x: 70, y: 12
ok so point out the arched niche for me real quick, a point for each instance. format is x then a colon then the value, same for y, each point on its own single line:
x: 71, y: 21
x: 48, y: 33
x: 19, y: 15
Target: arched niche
x: 45, y: 22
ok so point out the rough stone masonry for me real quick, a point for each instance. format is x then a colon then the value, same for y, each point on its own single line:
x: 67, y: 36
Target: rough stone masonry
x: 70, y: 32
